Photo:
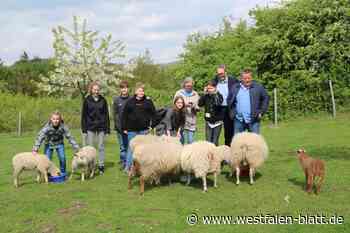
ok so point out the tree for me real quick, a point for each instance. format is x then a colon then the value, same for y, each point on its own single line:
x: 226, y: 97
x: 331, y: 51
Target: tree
x: 81, y: 56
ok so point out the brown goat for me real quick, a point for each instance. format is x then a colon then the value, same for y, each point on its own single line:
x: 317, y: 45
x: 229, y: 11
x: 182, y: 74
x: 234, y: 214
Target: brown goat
x: 312, y: 168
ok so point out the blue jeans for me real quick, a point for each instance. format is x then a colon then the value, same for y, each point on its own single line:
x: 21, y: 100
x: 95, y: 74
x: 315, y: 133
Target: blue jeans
x: 60, y: 153
x: 242, y: 126
x: 187, y: 136
x: 129, y: 155
x: 123, y: 147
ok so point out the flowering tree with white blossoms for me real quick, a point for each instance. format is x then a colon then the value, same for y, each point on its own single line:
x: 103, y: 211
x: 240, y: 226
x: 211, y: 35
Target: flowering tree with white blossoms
x: 82, y: 57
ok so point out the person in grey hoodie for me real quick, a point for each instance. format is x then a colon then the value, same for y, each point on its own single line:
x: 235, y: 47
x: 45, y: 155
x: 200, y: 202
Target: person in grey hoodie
x: 118, y: 108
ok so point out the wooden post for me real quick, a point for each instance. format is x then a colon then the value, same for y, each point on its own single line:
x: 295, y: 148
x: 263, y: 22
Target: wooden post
x: 275, y: 105
x: 19, y: 124
x: 333, y: 101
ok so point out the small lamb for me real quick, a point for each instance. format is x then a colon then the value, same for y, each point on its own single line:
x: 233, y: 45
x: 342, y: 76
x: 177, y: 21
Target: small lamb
x: 85, y: 160
x: 28, y: 161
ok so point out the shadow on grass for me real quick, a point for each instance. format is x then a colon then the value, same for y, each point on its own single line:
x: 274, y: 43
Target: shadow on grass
x: 296, y: 182
x: 244, y: 179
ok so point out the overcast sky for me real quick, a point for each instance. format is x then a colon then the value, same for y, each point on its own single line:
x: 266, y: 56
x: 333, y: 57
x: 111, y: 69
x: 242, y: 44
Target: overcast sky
x: 159, y: 25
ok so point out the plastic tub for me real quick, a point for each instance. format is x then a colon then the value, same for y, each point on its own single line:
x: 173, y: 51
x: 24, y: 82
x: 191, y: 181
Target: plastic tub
x: 58, y: 179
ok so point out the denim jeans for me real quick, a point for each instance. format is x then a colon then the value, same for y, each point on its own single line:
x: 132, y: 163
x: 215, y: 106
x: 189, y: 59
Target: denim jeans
x: 91, y: 136
x: 187, y: 136
x: 123, y: 147
x: 242, y: 126
x: 60, y: 153
x: 129, y: 155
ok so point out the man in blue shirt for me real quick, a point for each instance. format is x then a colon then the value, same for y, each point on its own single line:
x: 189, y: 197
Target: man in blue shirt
x: 224, y: 83
x: 248, y: 101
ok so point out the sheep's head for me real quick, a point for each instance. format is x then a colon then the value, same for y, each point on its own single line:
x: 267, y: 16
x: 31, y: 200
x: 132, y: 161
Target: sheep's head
x: 80, y: 159
x: 53, y: 170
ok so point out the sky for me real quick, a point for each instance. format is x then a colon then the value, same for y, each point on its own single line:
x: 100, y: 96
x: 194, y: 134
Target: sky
x: 161, y: 26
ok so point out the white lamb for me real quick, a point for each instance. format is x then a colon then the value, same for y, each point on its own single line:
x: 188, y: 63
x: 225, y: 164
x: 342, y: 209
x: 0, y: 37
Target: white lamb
x: 153, y: 160
x: 247, y: 149
x: 28, y: 161
x: 85, y: 160
x: 202, y: 158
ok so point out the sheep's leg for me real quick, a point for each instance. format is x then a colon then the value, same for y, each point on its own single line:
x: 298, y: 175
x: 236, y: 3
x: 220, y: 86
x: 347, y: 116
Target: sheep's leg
x: 82, y: 175
x: 71, y: 174
x: 38, y: 177
x: 251, y: 175
x: 320, y: 181
x: 237, y: 175
x: 16, y: 174
x: 215, y: 180
x: 46, y: 178
x: 142, y: 185
x: 129, y: 181
x: 92, y: 170
x: 309, y: 183
x: 204, y: 179
x: 188, y: 179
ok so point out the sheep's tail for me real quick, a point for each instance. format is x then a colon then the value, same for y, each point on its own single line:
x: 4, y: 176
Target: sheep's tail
x: 244, y: 151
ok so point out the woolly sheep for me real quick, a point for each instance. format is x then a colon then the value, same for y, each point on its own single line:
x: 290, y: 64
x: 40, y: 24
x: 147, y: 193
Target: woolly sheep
x: 84, y: 159
x: 202, y: 158
x: 247, y: 149
x: 28, y: 161
x: 149, y: 138
x: 153, y: 160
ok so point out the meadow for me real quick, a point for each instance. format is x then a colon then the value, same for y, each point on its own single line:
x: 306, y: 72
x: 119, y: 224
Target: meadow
x: 103, y: 204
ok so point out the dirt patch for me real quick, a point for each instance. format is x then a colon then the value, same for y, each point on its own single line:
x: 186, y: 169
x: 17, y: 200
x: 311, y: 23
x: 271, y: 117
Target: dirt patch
x: 75, y: 208
x: 48, y: 229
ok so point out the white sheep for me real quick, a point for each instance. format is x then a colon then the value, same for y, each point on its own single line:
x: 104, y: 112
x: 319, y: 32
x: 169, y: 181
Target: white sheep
x: 202, y: 158
x: 151, y: 161
x: 28, y: 161
x: 247, y: 149
x: 85, y: 159
x: 149, y: 138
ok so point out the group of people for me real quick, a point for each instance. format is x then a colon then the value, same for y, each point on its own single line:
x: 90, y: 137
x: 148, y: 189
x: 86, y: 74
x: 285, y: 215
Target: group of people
x: 236, y: 105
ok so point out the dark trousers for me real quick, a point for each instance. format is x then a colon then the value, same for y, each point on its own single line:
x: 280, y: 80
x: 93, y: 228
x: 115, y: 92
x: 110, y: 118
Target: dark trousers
x: 228, y: 126
x: 212, y: 134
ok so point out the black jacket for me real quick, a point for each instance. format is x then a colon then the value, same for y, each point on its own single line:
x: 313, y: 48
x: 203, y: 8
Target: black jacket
x: 259, y: 100
x: 230, y: 80
x: 95, y: 116
x: 118, y: 108
x: 138, y: 114
x: 211, y: 103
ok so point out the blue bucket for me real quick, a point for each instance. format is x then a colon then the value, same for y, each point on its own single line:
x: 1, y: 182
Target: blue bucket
x: 58, y: 179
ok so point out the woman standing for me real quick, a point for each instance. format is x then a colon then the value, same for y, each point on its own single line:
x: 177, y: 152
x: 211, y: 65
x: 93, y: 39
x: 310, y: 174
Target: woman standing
x: 191, y: 98
x: 175, y: 118
x: 95, y: 121
x: 136, y: 118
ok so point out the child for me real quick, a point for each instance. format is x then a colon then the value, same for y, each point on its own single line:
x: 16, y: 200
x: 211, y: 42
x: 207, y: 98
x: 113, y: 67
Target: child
x: 136, y: 119
x: 95, y: 121
x: 175, y: 117
x: 118, y: 108
x: 53, y: 133
x: 211, y: 100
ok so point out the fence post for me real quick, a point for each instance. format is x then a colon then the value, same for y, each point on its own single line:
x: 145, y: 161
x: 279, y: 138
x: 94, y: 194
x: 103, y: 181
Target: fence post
x: 19, y: 124
x: 275, y: 106
x: 333, y: 101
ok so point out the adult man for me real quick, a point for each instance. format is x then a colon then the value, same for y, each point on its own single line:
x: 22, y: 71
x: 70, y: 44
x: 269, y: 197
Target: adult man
x: 248, y: 102
x: 224, y: 83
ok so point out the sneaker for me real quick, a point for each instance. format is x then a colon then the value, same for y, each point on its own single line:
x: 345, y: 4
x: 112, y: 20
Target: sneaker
x: 101, y: 169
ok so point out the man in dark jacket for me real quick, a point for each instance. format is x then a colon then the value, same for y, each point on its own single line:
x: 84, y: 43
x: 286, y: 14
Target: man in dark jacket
x: 224, y: 83
x: 118, y: 108
x: 248, y: 102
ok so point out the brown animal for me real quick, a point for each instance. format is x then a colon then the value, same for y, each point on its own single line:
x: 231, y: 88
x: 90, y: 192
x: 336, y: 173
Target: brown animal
x: 312, y: 168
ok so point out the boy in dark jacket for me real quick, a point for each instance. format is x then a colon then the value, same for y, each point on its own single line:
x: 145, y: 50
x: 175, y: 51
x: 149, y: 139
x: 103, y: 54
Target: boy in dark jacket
x: 119, y: 103
x: 95, y: 121
x: 211, y: 101
x: 136, y: 119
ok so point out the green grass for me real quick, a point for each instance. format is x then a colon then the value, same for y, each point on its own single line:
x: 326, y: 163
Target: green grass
x: 104, y: 204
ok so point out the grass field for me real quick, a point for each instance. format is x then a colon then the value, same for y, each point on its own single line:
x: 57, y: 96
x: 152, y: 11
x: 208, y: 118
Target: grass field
x: 104, y: 204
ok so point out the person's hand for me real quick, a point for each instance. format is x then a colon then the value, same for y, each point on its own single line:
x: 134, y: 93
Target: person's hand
x: 205, y: 90
x: 125, y: 132
x: 259, y: 115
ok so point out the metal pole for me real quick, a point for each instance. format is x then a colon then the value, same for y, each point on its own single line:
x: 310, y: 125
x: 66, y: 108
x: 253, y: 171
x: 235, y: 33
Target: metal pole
x: 275, y: 105
x: 333, y: 101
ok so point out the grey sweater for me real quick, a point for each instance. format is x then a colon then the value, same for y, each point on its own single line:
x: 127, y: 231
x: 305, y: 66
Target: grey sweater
x: 54, y: 136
